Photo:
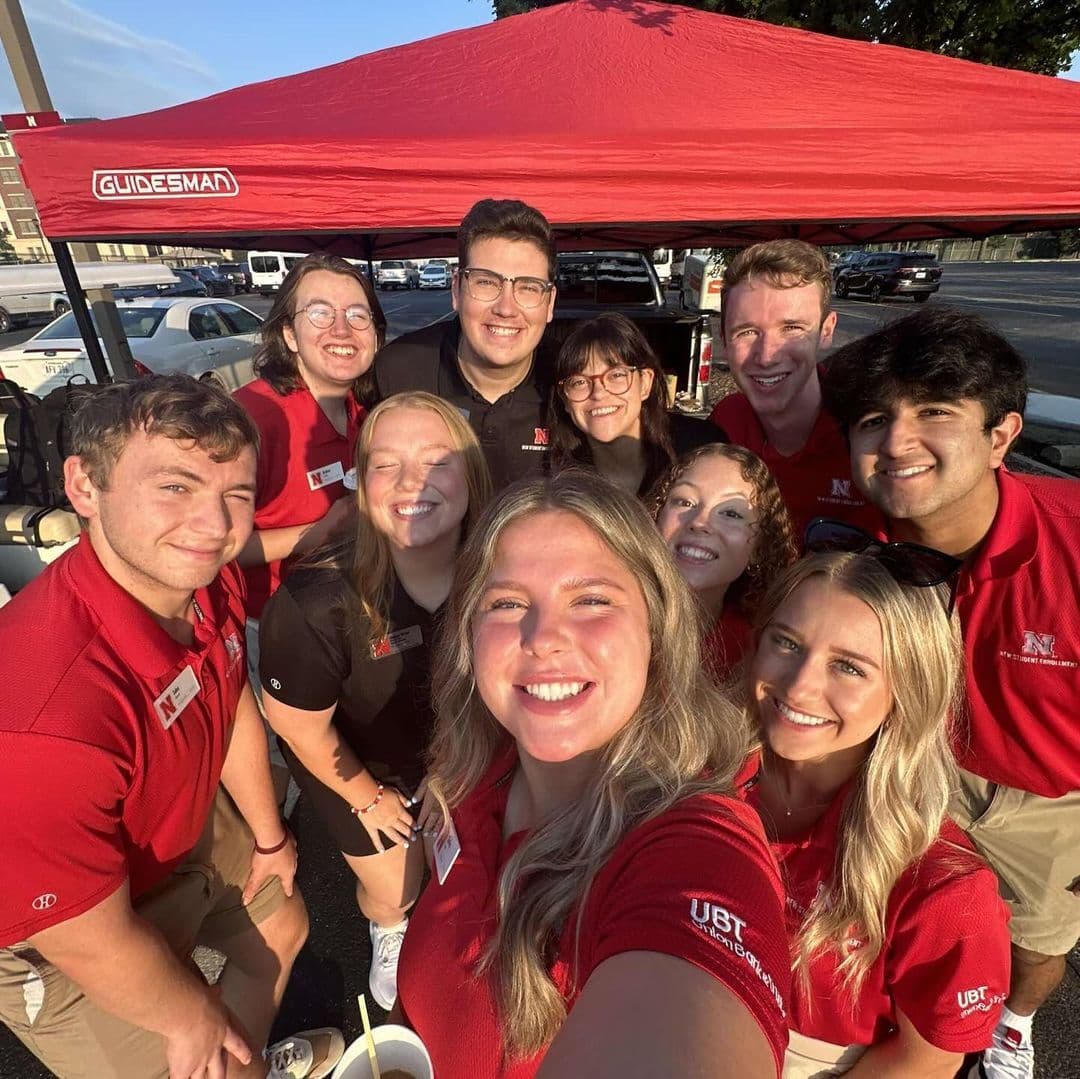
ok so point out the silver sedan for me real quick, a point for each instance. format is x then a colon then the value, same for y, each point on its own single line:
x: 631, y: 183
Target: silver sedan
x: 199, y: 336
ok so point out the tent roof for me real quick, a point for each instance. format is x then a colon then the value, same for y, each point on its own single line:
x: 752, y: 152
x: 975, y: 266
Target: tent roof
x: 627, y: 123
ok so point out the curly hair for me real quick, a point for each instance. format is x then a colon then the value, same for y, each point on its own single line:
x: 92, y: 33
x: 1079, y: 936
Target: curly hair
x: 276, y: 362
x: 774, y: 545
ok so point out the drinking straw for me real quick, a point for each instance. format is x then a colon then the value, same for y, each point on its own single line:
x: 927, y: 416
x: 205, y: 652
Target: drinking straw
x: 375, y: 1073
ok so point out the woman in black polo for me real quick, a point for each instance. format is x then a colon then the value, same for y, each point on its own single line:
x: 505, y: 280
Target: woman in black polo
x: 345, y: 653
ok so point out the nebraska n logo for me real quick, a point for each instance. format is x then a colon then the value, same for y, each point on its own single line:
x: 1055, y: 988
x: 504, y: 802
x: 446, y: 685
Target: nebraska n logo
x: 1038, y: 644
x: 841, y: 488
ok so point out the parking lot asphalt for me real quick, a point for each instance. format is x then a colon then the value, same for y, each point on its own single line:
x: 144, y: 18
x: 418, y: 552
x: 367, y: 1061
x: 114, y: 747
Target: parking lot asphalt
x: 1036, y: 305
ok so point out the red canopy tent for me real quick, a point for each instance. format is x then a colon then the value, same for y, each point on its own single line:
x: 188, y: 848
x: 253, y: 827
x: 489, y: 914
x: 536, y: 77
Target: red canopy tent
x: 626, y: 123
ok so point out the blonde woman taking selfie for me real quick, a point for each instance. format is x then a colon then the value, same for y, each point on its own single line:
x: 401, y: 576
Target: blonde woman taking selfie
x: 613, y: 910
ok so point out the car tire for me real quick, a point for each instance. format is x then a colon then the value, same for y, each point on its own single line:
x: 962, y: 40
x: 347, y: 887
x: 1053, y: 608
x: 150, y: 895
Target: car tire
x: 5, y: 321
x: 841, y: 288
x: 61, y: 307
x: 873, y: 293
x: 921, y: 297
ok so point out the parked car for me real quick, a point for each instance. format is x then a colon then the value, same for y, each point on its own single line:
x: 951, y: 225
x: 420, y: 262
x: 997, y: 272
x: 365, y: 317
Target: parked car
x: 847, y: 260
x: 239, y: 273
x: 268, y: 269
x: 200, y: 337
x: 435, y: 275
x: 217, y: 284
x: 891, y: 273
x: 22, y: 308
x: 394, y: 273
x: 186, y: 284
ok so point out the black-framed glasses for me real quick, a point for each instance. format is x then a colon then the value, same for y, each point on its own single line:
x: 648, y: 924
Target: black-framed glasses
x: 487, y: 285
x: 908, y: 563
x: 322, y: 315
x: 615, y: 380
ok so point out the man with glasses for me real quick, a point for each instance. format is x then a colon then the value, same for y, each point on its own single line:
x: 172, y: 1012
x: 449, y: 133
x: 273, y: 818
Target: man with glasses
x: 776, y: 324
x: 931, y: 405
x: 487, y: 360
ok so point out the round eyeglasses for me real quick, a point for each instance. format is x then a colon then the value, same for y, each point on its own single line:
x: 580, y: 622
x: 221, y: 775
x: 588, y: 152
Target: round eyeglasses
x: 322, y: 315
x: 580, y: 387
x: 487, y: 285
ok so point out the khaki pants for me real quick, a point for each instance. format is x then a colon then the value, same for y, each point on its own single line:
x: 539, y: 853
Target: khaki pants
x: 199, y: 903
x: 810, y: 1058
x: 1033, y: 845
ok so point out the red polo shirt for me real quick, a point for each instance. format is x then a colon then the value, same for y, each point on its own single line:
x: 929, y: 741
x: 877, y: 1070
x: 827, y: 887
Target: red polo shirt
x: 945, y: 960
x: 697, y: 882
x: 1017, y: 601
x: 816, y: 480
x: 112, y: 738
x: 301, y: 471
x: 729, y: 640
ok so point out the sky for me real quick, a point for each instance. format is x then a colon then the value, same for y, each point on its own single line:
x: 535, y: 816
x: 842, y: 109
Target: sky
x: 108, y: 58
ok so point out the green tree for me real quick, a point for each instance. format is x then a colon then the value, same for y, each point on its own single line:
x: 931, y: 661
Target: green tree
x: 7, y: 252
x: 1031, y: 35
x: 1069, y: 242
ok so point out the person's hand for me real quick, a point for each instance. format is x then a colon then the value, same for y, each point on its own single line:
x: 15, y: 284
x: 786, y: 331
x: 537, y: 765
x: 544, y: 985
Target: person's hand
x: 391, y: 816
x: 281, y: 864
x: 197, y: 1048
x: 431, y: 820
x: 326, y: 527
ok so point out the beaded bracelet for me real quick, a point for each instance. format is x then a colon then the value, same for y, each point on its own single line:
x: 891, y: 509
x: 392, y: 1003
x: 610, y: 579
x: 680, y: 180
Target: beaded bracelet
x: 277, y: 846
x: 370, y: 806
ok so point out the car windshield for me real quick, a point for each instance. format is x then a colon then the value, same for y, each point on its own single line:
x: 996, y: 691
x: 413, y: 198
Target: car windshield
x: 916, y: 258
x: 136, y: 321
x: 393, y: 266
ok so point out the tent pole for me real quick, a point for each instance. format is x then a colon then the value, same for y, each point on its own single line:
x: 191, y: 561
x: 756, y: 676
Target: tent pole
x: 77, y: 298
x: 369, y: 250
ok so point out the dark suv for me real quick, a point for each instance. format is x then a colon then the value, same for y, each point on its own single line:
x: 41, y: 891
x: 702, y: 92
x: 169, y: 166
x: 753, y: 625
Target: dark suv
x: 891, y: 273
x: 216, y: 284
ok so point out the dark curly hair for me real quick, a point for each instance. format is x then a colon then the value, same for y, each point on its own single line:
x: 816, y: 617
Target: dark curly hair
x: 774, y: 545
x: 276, y: 362
x: 615, y: 340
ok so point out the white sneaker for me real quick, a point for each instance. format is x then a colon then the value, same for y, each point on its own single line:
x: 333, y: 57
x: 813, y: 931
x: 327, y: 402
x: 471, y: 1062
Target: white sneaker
x: 385, y: 948
x: 311, y: 1054
x: 1009, y: 1057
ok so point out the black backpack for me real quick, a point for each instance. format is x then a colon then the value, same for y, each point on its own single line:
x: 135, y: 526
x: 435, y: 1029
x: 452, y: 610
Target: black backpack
x: 35, y: 432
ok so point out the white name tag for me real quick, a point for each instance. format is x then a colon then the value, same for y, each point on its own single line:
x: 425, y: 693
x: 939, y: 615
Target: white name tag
x: 398, y: 641
x: 350, y: 479
x: 446, y: 853
x: 181, y: 691
x: 328, y: 474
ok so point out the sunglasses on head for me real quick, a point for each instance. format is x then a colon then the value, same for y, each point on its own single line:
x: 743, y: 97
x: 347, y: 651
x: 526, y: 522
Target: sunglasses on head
x: 908, y: 563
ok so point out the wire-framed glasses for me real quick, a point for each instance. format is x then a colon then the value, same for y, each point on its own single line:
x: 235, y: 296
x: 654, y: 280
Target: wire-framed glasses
x: 322, y: 315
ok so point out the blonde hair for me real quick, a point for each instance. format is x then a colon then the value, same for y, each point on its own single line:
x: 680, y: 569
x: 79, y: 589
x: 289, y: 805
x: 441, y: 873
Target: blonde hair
x: 684, y: 738
x: 365, y: 555
x: 896, y: 807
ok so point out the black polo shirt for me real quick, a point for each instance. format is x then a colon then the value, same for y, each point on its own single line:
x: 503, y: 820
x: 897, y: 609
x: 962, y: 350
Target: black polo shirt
x: 315, y: 653
x: 512, y: 431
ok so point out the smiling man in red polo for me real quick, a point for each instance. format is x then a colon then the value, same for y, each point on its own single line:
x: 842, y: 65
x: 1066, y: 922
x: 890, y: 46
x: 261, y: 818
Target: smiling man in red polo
x: 776, y: 325
x: 123, y: 702
x: 932, y: 404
